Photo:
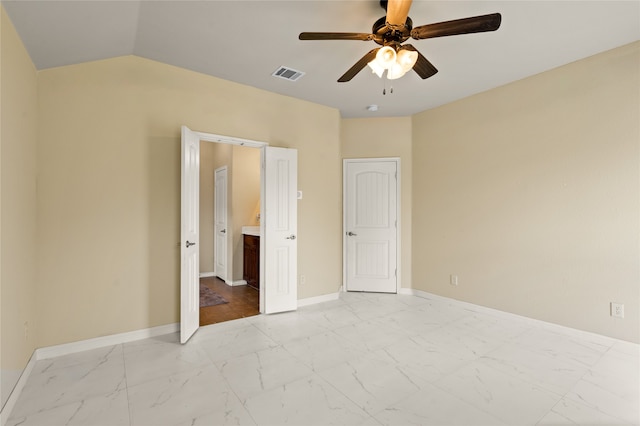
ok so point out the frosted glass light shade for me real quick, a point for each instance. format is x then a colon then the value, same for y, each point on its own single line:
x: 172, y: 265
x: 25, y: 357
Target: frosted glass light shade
x: 407, y: 59
x: 386, y: 56
x: 396, y: 71
x: 376, y: 68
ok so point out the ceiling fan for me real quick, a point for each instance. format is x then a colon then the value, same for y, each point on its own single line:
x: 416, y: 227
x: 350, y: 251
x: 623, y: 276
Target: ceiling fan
x: 395, y: 28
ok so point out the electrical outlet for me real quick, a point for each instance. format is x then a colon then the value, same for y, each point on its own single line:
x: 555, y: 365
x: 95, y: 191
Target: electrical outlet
x: 453, y: 279
x: 617, y: 310
x: 303, y: 279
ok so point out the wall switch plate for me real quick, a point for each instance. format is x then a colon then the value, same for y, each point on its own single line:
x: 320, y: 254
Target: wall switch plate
x: 453, y: 279
x: 617, y: 310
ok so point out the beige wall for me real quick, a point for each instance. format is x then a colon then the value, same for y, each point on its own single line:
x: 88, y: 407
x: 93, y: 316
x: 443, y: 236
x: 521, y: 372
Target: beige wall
x: 18, y: 108
x: 530, y: 194
x: 386, y: 137
x: 243, y: 180
x: 245, y: 195
x: 109, y: 156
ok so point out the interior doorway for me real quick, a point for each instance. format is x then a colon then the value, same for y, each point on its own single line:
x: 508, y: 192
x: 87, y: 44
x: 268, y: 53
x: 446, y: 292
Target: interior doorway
x: 229, y: 203
x: 278, y: 227
x: 371, y: 212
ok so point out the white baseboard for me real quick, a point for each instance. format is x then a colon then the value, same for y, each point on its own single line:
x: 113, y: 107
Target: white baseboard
x: 5, y: 412
x: 562, y: 329
x: 318, y: 299
x: 114, y: 339
x: 227, y: 282
x: 73, y: 347
x: 100, y: 342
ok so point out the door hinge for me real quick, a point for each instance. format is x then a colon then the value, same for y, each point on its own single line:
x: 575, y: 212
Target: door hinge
x: 396, y: 273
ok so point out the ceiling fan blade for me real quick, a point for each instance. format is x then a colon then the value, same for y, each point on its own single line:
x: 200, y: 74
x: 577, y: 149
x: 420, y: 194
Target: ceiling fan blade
x: 423, y: 67
x: 358, y: 66
x: 476, y: 24
x: 397, y: 11
x: 336, y: 36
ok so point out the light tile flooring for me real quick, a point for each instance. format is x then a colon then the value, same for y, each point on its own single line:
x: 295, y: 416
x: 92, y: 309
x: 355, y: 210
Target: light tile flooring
x: 364, y: 359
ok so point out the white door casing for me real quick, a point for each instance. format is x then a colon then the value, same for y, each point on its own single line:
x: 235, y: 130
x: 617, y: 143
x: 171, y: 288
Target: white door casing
x: 370, y: 223
x: 278, y: 179
x: 279, y: 237
x: 220, y: 224
x: 189, y: 231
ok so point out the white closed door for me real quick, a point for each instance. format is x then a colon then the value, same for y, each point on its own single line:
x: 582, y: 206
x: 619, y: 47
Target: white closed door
x: 370, y: 222
x: 189, y: 235
x: 279, y: 241
x: 220, y: 223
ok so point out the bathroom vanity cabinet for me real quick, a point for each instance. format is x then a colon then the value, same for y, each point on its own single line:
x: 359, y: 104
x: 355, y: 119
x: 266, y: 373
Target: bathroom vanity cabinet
x: 251, y: 264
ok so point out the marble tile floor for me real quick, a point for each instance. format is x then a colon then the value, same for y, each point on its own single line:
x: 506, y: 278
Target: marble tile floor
x: 365, y: 359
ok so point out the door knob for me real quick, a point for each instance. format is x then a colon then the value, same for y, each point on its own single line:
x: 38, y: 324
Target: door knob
x: 351, y: 234
x: 189, y: 244
x: 224, y: 231
x: 291, y: 237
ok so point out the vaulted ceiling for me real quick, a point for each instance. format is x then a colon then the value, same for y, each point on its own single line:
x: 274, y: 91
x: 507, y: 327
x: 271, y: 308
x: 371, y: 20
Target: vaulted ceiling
x: 246, y: 41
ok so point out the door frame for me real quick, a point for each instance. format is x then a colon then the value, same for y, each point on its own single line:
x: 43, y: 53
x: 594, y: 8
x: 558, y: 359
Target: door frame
x: 264, y: 189
x: 395, y: 160
x: 230, y: 140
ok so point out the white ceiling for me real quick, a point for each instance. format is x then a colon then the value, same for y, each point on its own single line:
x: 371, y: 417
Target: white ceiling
x: 246, y: 41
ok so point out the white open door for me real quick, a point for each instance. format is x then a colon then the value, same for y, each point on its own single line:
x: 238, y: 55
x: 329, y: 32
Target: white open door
x: 279, y: 271
x: 371, y: 226
x: 220, y: 224
x: 189, y: 224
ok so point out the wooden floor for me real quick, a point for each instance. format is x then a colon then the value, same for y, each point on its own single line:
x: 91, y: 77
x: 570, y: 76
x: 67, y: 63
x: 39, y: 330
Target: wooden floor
x: 244, y: 301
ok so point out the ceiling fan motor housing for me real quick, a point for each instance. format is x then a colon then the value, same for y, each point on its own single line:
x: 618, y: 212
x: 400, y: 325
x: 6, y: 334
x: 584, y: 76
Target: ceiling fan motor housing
x: 387, y: 34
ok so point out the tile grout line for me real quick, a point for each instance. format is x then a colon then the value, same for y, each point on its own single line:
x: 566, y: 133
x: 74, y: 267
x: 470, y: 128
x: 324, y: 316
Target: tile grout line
x: 126, y: 385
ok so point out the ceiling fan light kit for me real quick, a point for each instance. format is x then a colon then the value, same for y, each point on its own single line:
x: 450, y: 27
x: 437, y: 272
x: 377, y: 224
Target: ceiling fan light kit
x: 396, y: 63
x: 394, y: 29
